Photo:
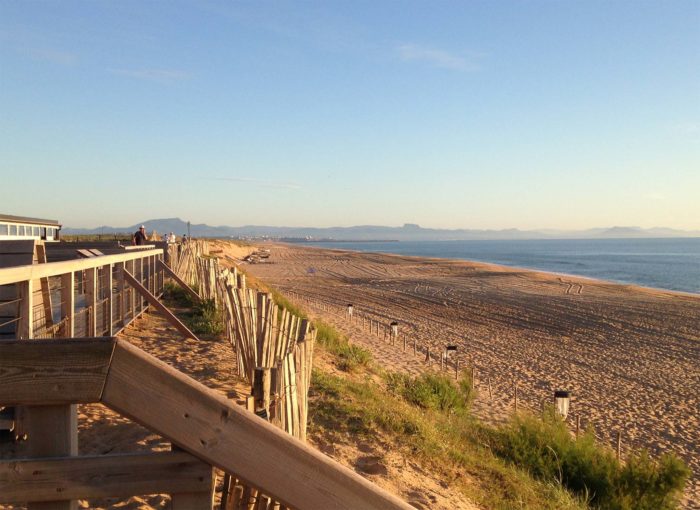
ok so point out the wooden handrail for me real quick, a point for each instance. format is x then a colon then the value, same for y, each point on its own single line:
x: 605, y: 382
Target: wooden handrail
x: 196, y: 418
x: 33, y: 272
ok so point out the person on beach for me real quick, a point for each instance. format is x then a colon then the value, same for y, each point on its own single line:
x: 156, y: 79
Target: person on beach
x: 139, y: 238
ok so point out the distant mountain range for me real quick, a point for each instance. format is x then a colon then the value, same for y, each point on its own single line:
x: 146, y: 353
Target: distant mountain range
x: 408, y: 232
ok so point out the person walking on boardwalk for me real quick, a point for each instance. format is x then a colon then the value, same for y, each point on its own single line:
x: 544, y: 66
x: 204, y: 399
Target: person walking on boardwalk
x: 139, y: 238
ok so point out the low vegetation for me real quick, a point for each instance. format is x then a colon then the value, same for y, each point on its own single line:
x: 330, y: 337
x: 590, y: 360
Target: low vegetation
x: 544, y: 446
x: 431, y: 391
x: 532, y: 462
x: 349, y: 356
x: 202, y: 317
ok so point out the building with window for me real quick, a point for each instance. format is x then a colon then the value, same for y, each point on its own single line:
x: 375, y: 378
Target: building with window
x: 17, y: 228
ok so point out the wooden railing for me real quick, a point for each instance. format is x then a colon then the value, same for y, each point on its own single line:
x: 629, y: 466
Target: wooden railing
x: 57, y: 374
x: 77, y: 298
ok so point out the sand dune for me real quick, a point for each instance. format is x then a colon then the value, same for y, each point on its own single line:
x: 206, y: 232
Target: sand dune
x: 630, y: 355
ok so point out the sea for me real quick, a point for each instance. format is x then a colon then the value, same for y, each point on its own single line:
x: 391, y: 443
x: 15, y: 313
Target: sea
x: 669, y: 263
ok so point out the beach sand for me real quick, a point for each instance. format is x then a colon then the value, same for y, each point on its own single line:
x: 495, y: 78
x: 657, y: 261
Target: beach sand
x: 629, y: 355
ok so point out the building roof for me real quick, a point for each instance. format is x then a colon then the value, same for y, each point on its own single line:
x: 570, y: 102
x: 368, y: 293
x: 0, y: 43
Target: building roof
x: 7, y: 218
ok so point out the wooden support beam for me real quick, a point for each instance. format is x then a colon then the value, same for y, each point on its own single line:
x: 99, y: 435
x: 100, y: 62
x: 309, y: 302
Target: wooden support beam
x: 52, y: 372
x: 158, y: 305
x: 205, y: 423
x: 172, y: 274
x: 102, y: 476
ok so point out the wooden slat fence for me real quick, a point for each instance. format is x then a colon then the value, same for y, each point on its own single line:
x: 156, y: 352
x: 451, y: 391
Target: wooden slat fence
x: 274, y: 351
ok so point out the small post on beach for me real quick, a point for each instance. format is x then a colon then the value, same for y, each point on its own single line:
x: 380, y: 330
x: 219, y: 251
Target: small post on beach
x: 395, y: 333
x: 350, y: 310
x: 427, y: 355
x: 456, y: 370
x: 515, y: 401
x: 578, y: 424
x: 619, y: 444
x: 404, y: 343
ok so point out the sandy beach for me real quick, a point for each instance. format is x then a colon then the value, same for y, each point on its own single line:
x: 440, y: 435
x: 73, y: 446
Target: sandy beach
x: 629, y: 355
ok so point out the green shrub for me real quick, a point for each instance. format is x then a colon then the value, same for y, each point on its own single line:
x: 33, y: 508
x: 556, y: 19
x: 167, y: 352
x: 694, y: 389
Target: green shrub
x: 648, y: 485
x: 545, y: 447
x: 431, y: 391
x: 350, y: 356
x: 206, y: 318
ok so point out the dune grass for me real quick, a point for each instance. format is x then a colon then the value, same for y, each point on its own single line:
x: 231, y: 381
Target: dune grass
x: 533, y: 462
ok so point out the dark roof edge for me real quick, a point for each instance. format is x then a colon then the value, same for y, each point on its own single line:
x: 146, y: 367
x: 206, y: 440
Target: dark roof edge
x: 33, y: 221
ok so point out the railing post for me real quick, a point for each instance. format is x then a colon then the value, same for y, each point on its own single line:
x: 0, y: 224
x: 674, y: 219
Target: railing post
x: 68, y: 303
x: 121, y: 302
x: 25, y: 326
x: 91, y: 300
x: 110, y: 302
x: 141, y: 301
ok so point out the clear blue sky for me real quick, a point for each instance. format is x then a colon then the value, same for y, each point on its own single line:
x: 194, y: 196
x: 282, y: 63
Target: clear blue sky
x: 483, y: 114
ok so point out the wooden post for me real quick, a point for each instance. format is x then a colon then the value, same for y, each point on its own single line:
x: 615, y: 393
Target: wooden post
x: 456, y: 370
x: 619, y: 444
x: 578, y: 424
x: 91, y: 300
x: 25, y: 326
x: 121, y: 301
x: 110, y: 301
x: 68, y: 303
x: 427, y: 355
x: 52, y: 431
x: 515, y: 402
x: 490, y: 393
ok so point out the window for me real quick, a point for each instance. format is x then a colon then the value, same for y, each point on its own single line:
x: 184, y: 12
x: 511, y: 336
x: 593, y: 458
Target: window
x: 13, y: 230
x: 35, y: 231
x: 4, y: 229
x: 21, y: 230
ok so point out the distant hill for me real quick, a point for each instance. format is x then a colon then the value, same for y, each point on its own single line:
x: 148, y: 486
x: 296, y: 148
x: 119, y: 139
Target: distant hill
x: 408, y: 232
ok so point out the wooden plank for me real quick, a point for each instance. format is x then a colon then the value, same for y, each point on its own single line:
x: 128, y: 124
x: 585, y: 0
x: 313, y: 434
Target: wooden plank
x: 102, y: 476
x: 208, y: 425
x: 51, y: 372
x: 178, y: 280
x: 36, y: 271
x: 158, y: 306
